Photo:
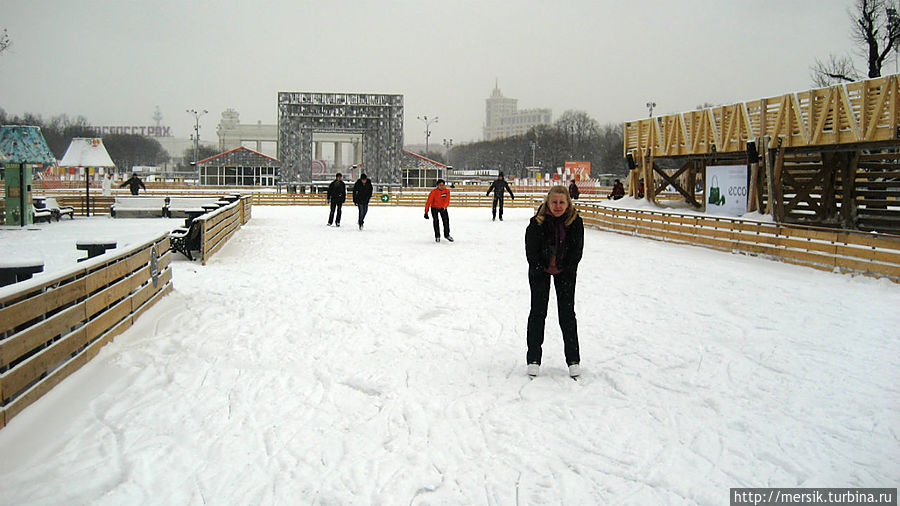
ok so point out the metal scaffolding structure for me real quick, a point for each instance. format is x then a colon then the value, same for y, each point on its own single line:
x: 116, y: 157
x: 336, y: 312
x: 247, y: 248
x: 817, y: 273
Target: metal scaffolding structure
x: 377, y: 118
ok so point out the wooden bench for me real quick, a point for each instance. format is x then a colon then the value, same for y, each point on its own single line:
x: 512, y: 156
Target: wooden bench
x: 139, y: 207
x: 41, y: 214
x: 57, y: 210
x: 15, y: 271
x: 184, y: 240
x: 94, y: 247
x: 179, y: 205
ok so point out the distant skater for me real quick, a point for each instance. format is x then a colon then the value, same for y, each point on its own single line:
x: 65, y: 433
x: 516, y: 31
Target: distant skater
x: 574, y: 192
x: 438, y: 201
x: 554, y: 242
x: 106, y: 185
x: 337, y: 194
x: 362, y: 192
x: 134, y: 183
x: 498, y: 187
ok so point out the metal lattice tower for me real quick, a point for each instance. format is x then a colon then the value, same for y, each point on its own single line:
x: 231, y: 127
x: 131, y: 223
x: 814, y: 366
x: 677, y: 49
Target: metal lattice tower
x: 378, y: 118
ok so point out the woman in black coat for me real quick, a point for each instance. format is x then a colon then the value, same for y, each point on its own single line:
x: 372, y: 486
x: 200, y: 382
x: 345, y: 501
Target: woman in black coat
x: 554, y: 242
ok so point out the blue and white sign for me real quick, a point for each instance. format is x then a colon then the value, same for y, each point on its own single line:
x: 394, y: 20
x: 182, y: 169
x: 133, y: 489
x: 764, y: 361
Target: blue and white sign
x: 726, y: 190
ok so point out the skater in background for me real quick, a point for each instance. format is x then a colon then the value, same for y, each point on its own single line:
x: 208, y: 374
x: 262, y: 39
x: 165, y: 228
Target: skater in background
x: 438, y: 201
x: 574, y: 192
x: 498, y: 187
x: 337, y: 194
x: 362, y: 192
x: 106, y: 185
x: 618, y: 191
x: 640, y: 190
x: 554, y: 241
x: 134, y: 183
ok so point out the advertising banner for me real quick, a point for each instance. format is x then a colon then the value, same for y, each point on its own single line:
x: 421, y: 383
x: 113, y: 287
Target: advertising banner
x: 578, y: 170
x: 726, y: 190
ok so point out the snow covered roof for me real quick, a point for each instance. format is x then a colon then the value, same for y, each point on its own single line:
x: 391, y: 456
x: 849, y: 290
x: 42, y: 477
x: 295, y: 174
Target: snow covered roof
x: 241, y: 156
x: 24, y: 144
x: 86, y: 152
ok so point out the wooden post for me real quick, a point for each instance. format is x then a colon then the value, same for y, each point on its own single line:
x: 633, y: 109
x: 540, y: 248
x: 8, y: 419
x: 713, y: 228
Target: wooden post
x: 690, y: 180
x: 828, y: 209
x: 770, y: 178
x: 648, y: 177
x: 848, y: 190
x: 778, y: 184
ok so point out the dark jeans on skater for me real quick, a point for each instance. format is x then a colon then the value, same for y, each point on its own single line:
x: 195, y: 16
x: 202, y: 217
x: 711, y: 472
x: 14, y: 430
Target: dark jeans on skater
x: 442, y: 212
x: 565, y: 301
x: 498, y: 200
x: 331, y: 217
x: 363, y: 209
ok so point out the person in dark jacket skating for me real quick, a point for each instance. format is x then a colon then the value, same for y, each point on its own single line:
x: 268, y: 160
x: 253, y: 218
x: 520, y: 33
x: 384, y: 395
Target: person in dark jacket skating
x: 554, y: 242
x: 337, y: 194
x: 134, y: 183
x: 362, y: 192
x: 498, y: 187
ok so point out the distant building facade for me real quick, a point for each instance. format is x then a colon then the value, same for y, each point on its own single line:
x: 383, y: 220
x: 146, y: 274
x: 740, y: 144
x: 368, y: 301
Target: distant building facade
x: 503, y: 119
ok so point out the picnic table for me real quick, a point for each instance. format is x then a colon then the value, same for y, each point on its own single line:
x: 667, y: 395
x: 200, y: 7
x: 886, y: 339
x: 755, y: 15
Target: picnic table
x: 94, y: 247
x: 15, y: 271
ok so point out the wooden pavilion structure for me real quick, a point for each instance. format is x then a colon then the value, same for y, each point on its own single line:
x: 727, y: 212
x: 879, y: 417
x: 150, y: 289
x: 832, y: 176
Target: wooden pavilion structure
x: 826, y: 157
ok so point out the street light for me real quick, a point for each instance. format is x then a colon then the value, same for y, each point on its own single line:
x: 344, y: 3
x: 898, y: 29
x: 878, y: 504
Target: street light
x: 651, y: 105
x: 448, y: 143
x: 533, y: 147
x: 428, y: 123
x: 196, y: 135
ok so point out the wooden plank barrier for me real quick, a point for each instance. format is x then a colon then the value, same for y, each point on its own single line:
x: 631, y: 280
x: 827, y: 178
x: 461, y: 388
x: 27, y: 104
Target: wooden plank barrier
x: 218, y: 226
x: 51, y: 326
x: 845, y: 251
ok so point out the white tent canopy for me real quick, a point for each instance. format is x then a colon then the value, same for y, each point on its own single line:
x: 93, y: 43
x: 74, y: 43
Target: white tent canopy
x: 86, y: 152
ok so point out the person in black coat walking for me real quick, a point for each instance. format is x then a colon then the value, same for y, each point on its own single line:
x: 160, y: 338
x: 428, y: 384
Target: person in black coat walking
x: 337, y: 194
x: 498, y: 187
x: 362, y: 192
x: 554, y: 242
x: 134, y: 183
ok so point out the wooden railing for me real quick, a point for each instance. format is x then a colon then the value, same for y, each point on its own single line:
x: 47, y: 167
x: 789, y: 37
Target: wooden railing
x: 824, y: 249
x: 218, y: 226
x: 50, y: 326
x: 860, y: 112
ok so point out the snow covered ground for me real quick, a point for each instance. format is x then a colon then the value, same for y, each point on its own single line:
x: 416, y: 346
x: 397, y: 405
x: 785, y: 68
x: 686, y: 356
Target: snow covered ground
x: 314, y: 365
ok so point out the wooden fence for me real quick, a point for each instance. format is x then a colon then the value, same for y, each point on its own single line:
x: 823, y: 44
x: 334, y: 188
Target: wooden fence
x: 843, y: 251
x: 50, y: 326
x: 218, y: 226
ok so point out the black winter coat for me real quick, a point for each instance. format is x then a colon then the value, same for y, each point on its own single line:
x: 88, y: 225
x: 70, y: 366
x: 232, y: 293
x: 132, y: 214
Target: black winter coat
x: 541, y: 244
x: 362, y: 192
x: 498, y: 186
x: 337, y: 192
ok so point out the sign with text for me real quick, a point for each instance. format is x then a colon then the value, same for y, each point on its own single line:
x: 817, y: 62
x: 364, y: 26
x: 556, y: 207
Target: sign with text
x: 726, y: 190
x: 146, y: 131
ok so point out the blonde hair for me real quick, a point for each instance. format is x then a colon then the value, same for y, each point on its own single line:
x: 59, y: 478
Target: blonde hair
x: 543, y: 210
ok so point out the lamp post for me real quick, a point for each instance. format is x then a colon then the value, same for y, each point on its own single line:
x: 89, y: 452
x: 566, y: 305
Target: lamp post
x: 428, y: 123
x: 448, y: 143
x: 651, y: 105
x: 533, y: 147
x: 196, y: 135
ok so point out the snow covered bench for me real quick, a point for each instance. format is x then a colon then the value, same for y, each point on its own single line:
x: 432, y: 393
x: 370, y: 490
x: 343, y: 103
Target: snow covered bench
x: 178, y: 205
x: 57, y: 210
x: 139, y: 207
x: 41, y: 214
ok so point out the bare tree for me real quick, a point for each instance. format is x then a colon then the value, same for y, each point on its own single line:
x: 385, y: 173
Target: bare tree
x: 876, y: 31
x: 835, y: 70
x: 4, y: 41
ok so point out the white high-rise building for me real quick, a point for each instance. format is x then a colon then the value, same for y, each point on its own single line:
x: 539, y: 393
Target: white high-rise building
x: 503, y: 119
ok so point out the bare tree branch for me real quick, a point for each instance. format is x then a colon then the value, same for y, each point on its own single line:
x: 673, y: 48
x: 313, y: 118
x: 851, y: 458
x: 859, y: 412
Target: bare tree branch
x: 4, y: 41
x: 835, y: 70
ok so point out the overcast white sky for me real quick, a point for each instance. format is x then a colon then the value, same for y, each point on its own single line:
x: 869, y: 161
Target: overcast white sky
x: 114, y: 61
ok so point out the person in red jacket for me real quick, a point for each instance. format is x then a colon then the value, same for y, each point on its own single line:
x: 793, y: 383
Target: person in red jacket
x: 438, y: 201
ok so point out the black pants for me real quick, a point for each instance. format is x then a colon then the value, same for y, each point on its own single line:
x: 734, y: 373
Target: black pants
x: 565, y: 302
x: 363, y: 209
x: 498, y: 200
x: 335, y: 206
x: 442, y: 212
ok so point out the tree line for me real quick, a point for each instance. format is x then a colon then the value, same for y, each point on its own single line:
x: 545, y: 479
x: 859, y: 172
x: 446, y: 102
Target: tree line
x: 575, y: 136
x: 126, y: 151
